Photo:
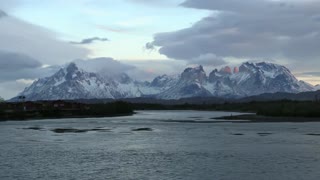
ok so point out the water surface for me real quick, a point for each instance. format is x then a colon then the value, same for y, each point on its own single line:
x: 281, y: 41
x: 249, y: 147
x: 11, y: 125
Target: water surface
x: 159, y: 145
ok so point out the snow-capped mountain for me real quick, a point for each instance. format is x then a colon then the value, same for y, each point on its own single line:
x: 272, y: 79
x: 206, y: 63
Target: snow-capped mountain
x: 249, y: 79
x: 253, y: 79
x: 158, y: 85
x: 317, y: 87
x: 191, y: 83
x: 73, y: 83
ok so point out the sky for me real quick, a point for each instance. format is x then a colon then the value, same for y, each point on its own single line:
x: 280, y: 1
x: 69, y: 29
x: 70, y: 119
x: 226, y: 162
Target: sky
x: 155, y: 37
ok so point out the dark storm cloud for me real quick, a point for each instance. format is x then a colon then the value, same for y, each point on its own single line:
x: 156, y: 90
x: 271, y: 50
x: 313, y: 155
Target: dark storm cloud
x: 105, y: 66
x: 287, y: 29
x: 2, y: 14
x: 14, y: 61
x: 91, y: 40
x: 14, y: 66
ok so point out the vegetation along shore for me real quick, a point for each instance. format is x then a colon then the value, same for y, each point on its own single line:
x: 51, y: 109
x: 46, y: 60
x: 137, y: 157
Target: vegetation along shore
x: 61, y: 109
x: 269, y: 111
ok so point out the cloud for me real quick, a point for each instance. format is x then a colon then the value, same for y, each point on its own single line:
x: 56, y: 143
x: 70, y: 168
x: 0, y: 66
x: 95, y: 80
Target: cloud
x: 14, y: 66
x: 311, y: 77
x: 36, y: 42
x: 8, y: 4
x: 134, y: 22
x: 145, y: 1
x: 11, y: 89
x: 208, y: 59
x: 310, y: 74
x: 91, y: 40
x: 104, y: 66
x: 112, y: 29
x: 156, y: 3
x: 251, y: 29
x: 25, y: 81
x: 141, y: 70
x: 148, y: 70
x: 15, y: 62
x: 13, y: 81
x: 2, y: 14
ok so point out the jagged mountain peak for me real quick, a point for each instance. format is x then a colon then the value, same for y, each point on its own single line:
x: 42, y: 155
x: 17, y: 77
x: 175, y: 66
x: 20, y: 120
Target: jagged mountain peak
x: 72, y: 71
x: 162, y: 80
x: 72, y: 67
x: 226, y: 70
x: 215, y: 74
x: 195, y: 69
x: 123, y: 78
x: 72, y: 82
x: 235, y: 70
x: 271, y: 66
x: 264, y: 69
x: 195, y: 74
x: 247, y: 67
x: 262, y: 65
x: 190, y: 84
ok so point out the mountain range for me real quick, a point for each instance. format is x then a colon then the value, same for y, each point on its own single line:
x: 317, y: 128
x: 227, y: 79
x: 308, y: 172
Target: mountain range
x: 249, y: 79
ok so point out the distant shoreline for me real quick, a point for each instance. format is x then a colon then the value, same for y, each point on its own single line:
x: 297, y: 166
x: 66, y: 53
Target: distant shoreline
x: 252, y: 118
x: 245, y: 118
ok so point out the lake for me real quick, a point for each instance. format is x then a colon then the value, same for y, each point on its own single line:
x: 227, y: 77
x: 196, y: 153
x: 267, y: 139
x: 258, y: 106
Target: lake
x: 159, y: 145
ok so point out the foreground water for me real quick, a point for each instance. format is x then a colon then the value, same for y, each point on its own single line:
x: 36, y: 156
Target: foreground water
x: 159, y: 145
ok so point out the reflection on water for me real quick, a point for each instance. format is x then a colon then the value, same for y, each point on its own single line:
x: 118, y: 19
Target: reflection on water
x: 159, y: 145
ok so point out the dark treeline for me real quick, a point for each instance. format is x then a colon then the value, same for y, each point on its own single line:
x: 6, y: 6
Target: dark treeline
x: 277, y: 108
x: 64, y: 109
x: 284, y: 108
x: 61, y: 109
